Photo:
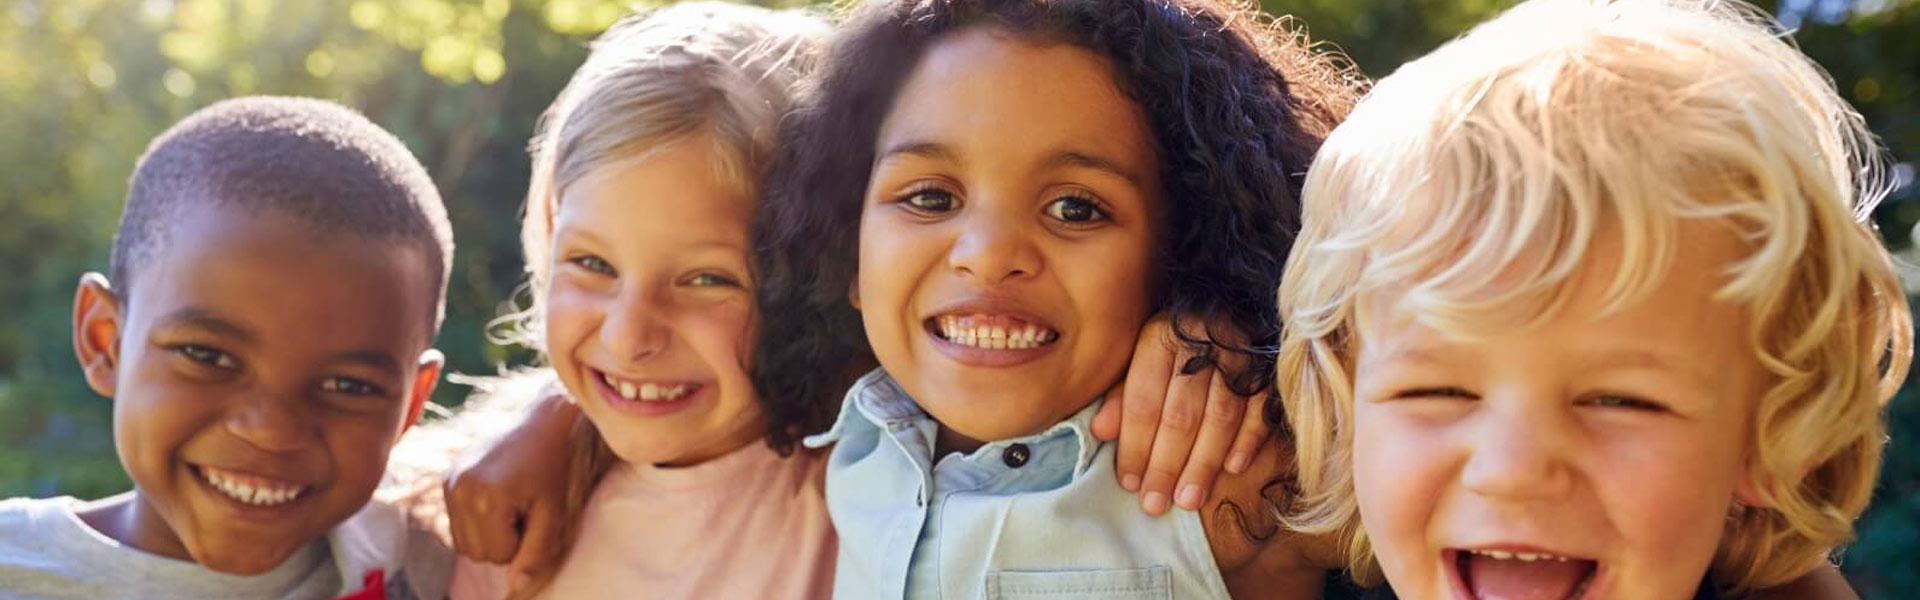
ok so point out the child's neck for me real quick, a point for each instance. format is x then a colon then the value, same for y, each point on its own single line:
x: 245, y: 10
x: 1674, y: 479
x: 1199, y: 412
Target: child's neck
x: 129, y: 519
x: 946, y: 441
x: 706, y: 454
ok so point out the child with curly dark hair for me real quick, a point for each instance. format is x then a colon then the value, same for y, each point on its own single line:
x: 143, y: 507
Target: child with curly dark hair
x: 988, y: 199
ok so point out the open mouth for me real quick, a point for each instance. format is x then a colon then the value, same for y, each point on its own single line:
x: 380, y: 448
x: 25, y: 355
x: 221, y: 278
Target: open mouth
x: 1508, y: 575
x: 992, y: 332
x: 648, y: 391
x: 253, y: 490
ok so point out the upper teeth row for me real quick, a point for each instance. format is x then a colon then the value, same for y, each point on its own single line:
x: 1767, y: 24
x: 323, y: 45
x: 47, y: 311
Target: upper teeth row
x: 650, y: 392
x: 1523, y: 556
x: 995, y: 337
x: 260, y: 495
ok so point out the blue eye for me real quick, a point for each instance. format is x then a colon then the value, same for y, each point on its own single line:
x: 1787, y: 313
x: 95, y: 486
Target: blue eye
x: 1076, y: 210
x: 592, y: 263
x: 350, y: 386
x: 929, y: 201
x: 206, y: 356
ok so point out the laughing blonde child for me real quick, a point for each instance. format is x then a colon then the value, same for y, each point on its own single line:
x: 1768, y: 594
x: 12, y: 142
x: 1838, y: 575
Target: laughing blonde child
x: 1587, y: 305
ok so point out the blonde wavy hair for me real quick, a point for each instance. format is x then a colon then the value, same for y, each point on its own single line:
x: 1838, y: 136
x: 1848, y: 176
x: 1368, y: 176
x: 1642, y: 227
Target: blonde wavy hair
x: 716, y: 71
x: 1477, y: 179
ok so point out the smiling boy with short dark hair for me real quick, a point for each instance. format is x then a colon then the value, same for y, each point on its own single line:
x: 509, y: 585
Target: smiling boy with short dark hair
x: 278, y: 280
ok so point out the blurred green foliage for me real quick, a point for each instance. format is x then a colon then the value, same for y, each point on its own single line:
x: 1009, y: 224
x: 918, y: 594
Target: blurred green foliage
x: 86, y: 83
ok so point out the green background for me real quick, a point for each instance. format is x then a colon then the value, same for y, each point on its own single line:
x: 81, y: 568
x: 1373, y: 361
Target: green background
x: 84, y: 84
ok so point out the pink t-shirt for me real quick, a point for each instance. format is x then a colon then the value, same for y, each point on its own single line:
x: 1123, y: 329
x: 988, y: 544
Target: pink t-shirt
x: 746, y: 525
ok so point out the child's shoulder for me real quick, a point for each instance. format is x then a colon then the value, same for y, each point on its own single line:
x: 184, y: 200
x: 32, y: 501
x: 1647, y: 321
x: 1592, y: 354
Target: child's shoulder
x: 380, y: 546
x: 45, y: 551
x: 23, y: 520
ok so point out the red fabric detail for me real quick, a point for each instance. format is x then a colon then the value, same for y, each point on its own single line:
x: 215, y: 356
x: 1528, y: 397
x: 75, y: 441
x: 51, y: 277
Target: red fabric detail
x: 376, y: 587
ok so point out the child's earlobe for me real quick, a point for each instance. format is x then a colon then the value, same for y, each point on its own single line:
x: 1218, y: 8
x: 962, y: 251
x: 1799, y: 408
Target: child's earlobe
x: 425, y: 379
x: 1747, y: 491
x: 96, y: 332
x: 853, y: 292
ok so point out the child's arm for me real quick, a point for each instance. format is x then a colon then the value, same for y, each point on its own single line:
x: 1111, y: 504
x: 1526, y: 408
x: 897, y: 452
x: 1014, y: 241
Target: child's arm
x: 1177, y: 424
x: 505, y: 498
x: 1257, y: 556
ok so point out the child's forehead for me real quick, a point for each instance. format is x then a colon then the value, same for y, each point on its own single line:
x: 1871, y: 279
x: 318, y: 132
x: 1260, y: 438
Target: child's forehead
x: 1623, y: 281
x: 273, y: 273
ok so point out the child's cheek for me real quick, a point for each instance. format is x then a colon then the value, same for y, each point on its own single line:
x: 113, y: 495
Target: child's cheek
x: 1400, y: 468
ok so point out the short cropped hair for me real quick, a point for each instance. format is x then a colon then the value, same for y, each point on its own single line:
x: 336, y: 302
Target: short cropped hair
x: 1478, y: 178
x: 317, y: 161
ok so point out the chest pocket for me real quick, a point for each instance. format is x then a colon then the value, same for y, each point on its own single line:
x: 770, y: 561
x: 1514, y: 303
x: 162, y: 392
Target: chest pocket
x: 1149, y: 583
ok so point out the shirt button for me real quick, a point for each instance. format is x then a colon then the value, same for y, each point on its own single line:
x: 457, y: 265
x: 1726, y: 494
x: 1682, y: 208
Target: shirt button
x: 1016, y: 455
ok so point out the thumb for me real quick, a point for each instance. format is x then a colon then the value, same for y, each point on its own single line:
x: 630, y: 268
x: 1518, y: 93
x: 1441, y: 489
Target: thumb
x: 540, y: 543
x: 1106, y: 423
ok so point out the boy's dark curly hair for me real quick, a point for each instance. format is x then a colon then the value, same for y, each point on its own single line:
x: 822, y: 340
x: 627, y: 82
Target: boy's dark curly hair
x: 1237, y: 103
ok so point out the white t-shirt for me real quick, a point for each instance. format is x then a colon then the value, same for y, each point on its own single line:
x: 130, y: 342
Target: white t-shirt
x: 48, y: 553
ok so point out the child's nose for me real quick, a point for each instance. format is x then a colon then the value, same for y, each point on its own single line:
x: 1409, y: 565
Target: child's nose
x: 633, y: 330
x: 1517, y: 455
x: 994, y: 247
x: 272, y: 422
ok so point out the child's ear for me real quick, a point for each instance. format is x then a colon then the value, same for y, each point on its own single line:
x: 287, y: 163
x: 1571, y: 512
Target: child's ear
x: 96, y: 332
x: 1747, y: 491
x: 424, y: 381
x: 853, y: 292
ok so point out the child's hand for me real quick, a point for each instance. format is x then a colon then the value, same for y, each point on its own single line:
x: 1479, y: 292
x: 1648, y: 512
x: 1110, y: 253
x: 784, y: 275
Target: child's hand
x: 1176, y: 428
x: 507, y: 500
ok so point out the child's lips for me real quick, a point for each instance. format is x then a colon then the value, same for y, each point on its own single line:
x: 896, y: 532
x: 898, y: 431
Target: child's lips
x: 1506, y: 572
x: 990, y: 331
x: 647, y: 398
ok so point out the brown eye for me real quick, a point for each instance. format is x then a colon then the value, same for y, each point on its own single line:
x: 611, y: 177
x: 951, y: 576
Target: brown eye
x: 1076, y: 210
x: 206, y: 356
x: 930, y: 201
x: 712, y: 280
x: 349, y: 385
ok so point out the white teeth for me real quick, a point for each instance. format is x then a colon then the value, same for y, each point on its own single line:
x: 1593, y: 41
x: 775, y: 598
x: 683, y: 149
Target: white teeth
x: 646, y: 392
x: 247, y: 492
x: 994, y: 337
x: 1521, y: 556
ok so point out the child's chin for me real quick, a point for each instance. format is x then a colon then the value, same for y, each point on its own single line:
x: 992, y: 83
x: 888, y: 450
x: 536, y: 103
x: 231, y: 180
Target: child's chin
x: 248, y: 556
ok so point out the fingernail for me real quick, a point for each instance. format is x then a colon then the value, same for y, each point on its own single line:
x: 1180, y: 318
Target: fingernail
x: 1238, y: 464
x: 1130, y: 482
x: 1190, y: 497
x: 1155, y: 503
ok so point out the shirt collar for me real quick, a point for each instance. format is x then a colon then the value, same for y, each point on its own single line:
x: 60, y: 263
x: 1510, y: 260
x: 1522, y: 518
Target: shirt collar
x: 876, y: 401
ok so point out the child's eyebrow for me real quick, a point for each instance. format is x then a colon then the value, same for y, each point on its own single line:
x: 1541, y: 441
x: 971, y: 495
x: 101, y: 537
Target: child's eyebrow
x: 920, y: 148
x: 194, y: 317
x: 1637, y: 358
x: 1086, y: 160
x: 373, y: 359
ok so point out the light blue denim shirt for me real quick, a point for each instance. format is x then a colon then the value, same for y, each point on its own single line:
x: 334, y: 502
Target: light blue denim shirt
x: 1035, y: 517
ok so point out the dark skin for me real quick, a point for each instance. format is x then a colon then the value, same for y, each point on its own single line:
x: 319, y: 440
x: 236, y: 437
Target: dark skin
x: 257, y: 353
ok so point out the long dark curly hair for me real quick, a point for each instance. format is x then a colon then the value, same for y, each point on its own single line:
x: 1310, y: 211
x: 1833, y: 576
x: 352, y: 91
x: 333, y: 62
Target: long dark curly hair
x: 1237, y: 103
